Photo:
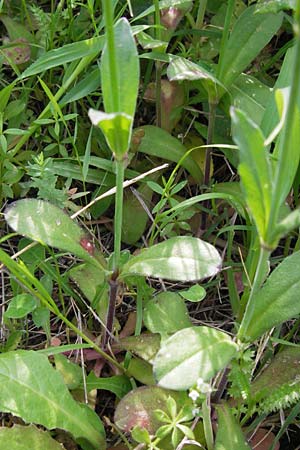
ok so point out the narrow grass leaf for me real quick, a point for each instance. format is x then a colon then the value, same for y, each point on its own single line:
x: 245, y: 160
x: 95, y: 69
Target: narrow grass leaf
x: 179, y: 258
x: 89, y: 84
x: 192, y: 354
x: 87, y: 154
x: 65, y: 54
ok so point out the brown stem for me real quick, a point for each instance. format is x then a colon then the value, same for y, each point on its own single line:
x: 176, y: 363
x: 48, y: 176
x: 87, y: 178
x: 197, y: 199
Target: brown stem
x: 113, y: 290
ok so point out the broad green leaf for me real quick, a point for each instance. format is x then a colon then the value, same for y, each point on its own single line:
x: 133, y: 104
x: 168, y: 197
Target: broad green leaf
x: 33, y: 390
x: 250, y: 34
x: 271, y: 116
x: 254, y: 169
x: 139, y: 406
x: 229, y: 434
x: 180, y: 258
x: 166, y: 313
x: 148, y: 42
x: 71, y: 372
x: 43, y: 222
x: 196, y: 293
x: 184, y: 69
x: 24, y: 437
x: 89, y: 279
x: 141, y: 370
x: 116, y: 122
x: 250, y: 95
x: 274, y: 6
x: 155, y: 141
x: 192, y: 354
x: 118, y: 384
x: 127, y: 68
x: 146, y: 345
x: 278, y: 299
x: 20, y: 306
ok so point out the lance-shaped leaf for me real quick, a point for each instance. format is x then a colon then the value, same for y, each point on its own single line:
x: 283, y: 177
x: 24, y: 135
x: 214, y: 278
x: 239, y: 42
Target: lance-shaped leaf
x: 278, y: 299
x: 254, y: 169
x: 43, y: 222
x: 33, y: 390
x: 229, y: 434
x: 119, y: 89
x: 157, y: 142
x: 180, y: 258
x: 192, y: 354
x: 250, y: 34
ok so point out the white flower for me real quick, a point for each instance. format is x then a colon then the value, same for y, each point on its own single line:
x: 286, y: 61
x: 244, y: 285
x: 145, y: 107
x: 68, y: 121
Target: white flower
x: 194, y: 395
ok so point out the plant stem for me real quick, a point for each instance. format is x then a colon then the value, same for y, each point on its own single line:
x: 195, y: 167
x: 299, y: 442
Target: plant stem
x: 113, y: 290
x: 120, y: 168
x: 200, y: 14
x: 260, y: 275
x: 113, y: 282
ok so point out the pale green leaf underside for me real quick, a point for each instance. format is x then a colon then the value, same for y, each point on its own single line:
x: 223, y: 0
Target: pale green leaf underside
x: 33, y: 390
x: 43, y: 222
x: 190, y: 354
x: 179, y: 258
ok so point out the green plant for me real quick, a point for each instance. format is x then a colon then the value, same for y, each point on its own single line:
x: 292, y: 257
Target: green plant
x: 191, y: 364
